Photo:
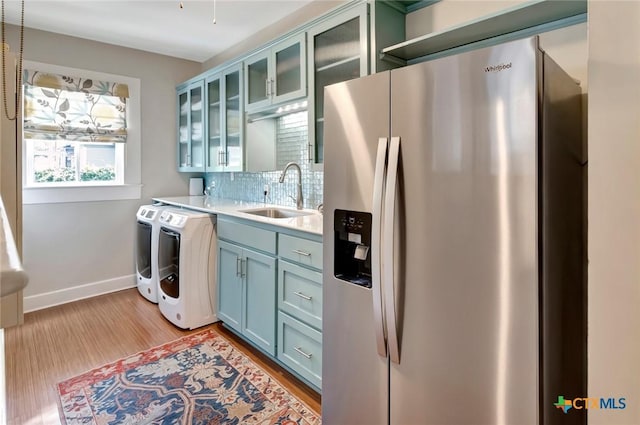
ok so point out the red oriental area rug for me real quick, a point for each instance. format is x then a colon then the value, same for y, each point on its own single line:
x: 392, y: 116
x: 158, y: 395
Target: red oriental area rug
x: 198, y: 379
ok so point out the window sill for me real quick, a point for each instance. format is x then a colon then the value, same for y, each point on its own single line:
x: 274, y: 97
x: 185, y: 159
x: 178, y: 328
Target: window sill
x: 55, y: 195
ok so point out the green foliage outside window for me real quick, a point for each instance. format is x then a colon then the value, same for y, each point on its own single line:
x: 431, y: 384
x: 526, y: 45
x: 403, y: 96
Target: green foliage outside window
x: 69, y: 174
x: 93, y: 174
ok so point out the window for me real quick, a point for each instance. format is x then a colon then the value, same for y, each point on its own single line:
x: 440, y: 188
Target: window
x: 81, y: 135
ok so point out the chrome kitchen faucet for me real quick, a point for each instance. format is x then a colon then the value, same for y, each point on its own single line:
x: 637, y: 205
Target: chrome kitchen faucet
x: 281, y: 180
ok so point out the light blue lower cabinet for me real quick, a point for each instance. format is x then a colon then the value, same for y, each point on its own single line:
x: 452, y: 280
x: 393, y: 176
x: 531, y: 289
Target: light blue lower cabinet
x: 247, y: 290
x: 259, y: 272
x: 230, y: 285
x: 300, y: 348
x: 270, y: 293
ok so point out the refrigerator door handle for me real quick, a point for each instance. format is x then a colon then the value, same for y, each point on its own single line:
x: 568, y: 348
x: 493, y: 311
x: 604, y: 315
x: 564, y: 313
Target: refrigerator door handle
x: 388, y: 235
x: 376, y: 245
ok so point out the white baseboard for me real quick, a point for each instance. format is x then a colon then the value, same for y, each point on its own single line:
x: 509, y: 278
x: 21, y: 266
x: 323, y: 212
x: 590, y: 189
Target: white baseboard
x: 67, y: 295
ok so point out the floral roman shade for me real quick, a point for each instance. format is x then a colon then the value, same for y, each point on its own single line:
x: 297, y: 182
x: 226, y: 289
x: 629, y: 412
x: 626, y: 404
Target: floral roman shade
x: 58, y: 107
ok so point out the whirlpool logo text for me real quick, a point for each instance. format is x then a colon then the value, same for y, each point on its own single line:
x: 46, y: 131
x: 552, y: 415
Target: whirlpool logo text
x: 498, y: 68
x: 590, y: 403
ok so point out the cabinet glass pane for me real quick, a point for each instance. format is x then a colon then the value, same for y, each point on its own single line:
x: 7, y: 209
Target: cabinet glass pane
x: 288, y: 70
x: 213, y: 93
x: 337, y: 44
x: 197, y: 127
x: 343, y: 71
x: 336, y: 55
x: 183, y: 129
x: 233, y: 119
x: 257, y: 78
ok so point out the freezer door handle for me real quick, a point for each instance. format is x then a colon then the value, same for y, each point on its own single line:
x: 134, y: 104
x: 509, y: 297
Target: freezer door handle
x: 376, y: 245
x: 388, y: 262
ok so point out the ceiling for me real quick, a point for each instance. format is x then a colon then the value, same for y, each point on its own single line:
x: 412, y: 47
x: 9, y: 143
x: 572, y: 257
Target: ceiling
x: 155, y: 26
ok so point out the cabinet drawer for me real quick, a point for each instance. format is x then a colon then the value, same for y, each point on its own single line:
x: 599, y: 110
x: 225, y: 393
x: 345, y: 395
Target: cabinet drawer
x: 264, y: 240
x: 300, y: 293
x: 300, y: 348
x: 300, y: 250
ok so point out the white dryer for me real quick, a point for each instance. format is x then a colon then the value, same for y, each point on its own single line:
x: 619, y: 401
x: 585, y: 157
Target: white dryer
x: 187, y: 267
x: 148, y: 229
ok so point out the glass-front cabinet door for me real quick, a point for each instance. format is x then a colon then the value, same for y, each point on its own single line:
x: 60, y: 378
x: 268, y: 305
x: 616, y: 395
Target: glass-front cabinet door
x: 277, y: 74
x: 337, y: 52
x: 183, y: 128
x: 233, y: 127
x: 289, y: 69
x: 191, y: 139
x: 258, y: 80
x: 215, y: 149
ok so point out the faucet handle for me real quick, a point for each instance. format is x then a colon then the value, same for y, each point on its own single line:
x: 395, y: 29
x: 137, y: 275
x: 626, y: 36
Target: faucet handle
x: 208, y: 191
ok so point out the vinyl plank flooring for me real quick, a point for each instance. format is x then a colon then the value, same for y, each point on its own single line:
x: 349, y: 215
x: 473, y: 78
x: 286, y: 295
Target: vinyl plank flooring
x: 60, y: 342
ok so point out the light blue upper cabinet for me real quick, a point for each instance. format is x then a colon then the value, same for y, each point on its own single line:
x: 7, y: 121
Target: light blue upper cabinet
x: 215, y: 147
x: 337, y: 52
x: 191, y: 139
x: 277, y: 74
x: 224, y: 112
x: 233, y: 127
x: 244, y: 93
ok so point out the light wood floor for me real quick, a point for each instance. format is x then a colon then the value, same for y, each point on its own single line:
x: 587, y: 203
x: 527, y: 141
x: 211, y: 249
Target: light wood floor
x: 60, y: 342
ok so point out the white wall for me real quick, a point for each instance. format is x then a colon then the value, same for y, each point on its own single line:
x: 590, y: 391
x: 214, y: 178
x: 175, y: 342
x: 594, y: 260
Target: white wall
x: 72, y: 244
x: 614, y: 208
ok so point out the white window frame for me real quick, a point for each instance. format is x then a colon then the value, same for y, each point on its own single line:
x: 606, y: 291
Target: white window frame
x: 131, y: 188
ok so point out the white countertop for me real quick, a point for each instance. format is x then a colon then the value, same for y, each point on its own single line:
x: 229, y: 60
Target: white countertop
x: 311, y: 223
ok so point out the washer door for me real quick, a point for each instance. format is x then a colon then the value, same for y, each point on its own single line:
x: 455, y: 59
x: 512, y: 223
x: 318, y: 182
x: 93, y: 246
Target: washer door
x: 168, y: 261
x: 143, y: 250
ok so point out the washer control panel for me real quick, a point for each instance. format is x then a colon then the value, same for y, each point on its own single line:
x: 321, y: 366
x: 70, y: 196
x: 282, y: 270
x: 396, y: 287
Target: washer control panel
x: 147, y: 213
x: 173, y: 219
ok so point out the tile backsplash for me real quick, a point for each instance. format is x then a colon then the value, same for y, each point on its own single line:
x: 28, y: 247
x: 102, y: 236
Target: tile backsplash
x: 291, y: 132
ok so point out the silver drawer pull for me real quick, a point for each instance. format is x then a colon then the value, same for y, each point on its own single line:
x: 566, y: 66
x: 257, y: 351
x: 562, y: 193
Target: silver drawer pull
x: 303, y: 296
x: 299, y: 350
x: 305, y: 253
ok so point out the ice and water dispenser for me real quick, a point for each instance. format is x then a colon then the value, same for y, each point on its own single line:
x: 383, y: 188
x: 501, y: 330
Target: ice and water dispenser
x: 352, y: 256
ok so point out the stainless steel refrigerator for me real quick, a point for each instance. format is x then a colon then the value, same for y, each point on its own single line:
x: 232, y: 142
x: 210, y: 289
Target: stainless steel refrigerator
x: 454, y: 243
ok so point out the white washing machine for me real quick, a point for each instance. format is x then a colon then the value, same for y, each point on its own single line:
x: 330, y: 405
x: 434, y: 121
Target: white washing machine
x: 187, y: 267
x: 147, y: 250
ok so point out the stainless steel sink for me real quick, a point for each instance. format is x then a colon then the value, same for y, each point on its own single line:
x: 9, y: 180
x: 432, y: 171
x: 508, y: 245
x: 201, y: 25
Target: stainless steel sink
x: 276, y: 212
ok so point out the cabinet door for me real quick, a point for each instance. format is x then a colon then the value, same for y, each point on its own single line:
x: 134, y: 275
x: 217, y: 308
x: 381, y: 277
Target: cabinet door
x: 257, y: 80
x: 233, y: 128
x: 191, y: 138
x: 230, y: 284
x: 289, y: 72
x: 260, y: 300
x: 183, y: 128
x: 337, y: 52
x: 197, y: 126
x: 215, y: 152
